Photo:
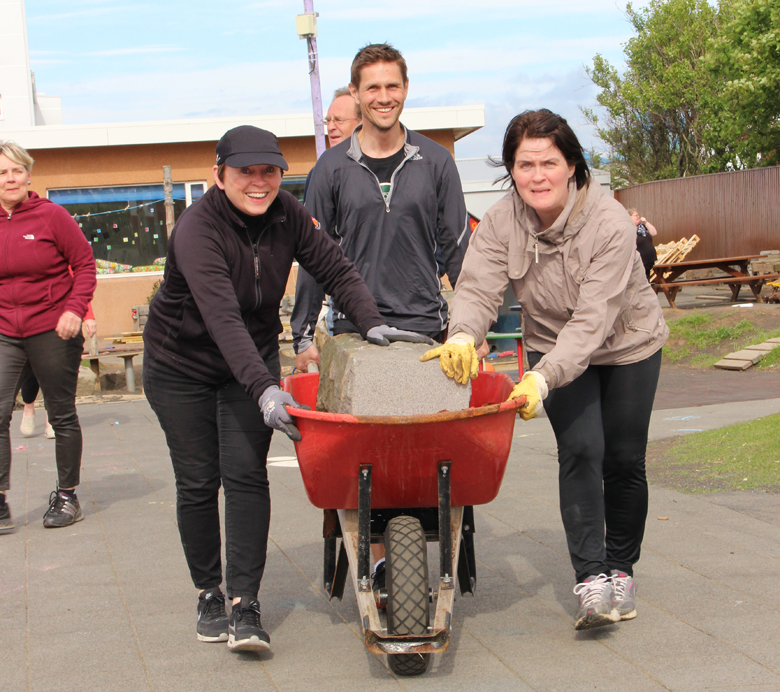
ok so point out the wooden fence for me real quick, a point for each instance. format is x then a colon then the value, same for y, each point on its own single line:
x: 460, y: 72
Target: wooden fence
x: 733, y: 213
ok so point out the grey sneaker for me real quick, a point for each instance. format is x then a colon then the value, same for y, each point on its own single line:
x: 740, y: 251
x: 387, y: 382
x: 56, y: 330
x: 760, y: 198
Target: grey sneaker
x: 64, y: 510
x: 6, y: 520
x: 245, y: 631
x: 625, y: 593
x: 212, y: 618
x: 597, y: 597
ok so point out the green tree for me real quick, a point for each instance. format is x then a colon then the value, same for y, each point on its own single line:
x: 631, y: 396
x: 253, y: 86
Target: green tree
x: 655, y: 117
x: 745, y: 55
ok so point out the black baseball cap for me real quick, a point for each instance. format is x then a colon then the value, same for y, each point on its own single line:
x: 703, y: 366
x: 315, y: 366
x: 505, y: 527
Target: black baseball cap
x: 247, y: 145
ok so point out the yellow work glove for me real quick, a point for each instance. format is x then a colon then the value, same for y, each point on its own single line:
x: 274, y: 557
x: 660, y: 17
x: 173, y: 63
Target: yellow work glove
x: 457, y: 357
x: 534, y: 387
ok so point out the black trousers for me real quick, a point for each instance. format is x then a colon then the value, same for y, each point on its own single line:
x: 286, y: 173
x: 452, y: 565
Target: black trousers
x: 30, y: 389
x: 600, y: 422
x: 55, y: 363
x: 216, y: 436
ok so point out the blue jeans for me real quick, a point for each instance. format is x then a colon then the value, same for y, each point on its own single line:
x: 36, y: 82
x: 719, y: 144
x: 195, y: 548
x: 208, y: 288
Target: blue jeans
x: 600, y: 422
x: 216, y: 436
x: 55, y: 362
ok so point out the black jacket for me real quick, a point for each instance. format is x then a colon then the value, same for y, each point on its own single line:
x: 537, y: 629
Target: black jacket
x: 216, y: 315
x: 393, y: 243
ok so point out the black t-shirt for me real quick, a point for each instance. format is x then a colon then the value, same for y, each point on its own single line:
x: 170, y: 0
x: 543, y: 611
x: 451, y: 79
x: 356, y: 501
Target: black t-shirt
x: 383, y: 169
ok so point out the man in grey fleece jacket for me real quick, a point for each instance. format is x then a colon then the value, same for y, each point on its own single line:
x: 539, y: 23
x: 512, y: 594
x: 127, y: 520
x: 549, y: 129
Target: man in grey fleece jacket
x: 392, y: 199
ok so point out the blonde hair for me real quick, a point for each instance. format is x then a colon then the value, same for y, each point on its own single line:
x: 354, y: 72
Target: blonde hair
x: 17, y: 154
x: 631, y: 212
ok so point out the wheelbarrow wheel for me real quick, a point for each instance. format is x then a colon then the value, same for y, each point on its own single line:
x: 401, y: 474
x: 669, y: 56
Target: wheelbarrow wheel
x: 406, y: 580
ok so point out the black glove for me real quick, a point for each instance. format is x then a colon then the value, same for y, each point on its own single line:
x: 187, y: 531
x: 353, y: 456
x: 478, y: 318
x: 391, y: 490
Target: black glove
x: 272, y: 402
x: 383, y: 335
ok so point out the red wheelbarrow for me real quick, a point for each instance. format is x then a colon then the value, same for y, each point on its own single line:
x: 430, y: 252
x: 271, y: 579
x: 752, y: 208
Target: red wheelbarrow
x: 404, y: 480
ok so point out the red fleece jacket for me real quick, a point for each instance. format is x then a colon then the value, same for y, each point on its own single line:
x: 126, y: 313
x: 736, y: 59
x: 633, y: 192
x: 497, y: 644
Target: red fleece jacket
x: 38, y: 241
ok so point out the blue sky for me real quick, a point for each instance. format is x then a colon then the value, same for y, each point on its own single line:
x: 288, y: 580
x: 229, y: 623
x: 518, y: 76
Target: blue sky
x: 115, y: 61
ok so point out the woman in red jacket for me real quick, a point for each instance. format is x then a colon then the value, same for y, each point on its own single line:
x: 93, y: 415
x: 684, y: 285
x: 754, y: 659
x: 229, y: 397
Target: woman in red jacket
x: 41, y: 309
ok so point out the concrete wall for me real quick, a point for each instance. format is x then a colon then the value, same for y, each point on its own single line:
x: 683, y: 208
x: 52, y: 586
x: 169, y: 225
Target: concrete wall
x: 114, y: 298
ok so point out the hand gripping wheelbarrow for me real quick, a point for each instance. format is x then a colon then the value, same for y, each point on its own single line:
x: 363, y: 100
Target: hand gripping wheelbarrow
x: 404, y: 481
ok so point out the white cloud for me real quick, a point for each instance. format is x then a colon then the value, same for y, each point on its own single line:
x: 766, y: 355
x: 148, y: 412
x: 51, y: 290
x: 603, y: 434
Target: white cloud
x: 90, y: 12
x: 357, y: 10
x: 136, y: 51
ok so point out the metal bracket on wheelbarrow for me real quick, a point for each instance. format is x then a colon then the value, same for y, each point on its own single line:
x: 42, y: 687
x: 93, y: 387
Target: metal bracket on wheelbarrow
x: 356, y: 532
x: 446, y: 572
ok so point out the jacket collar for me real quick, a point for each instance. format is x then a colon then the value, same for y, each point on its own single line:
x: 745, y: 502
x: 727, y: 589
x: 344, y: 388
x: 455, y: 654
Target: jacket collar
x: 579, y: 206
x: 31, y: 202
x: 355, y: 152
x: 275, y: 214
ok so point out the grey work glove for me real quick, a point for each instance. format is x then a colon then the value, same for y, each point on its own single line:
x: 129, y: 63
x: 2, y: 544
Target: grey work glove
x: 272, y: 402
x: 383, y: 335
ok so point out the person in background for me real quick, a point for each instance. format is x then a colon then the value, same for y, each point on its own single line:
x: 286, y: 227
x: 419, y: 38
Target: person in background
x: 393, y: 199
x: 42, y: 306
x: 211, y: 366
x: 343, y: 116
x: 594, y: 330
x: 30, y: 389
x: 645, y: 231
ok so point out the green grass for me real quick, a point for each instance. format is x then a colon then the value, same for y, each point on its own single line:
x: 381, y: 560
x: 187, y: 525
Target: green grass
x: 770, y: 360
x: 744, y: 456
x: 704, y: 342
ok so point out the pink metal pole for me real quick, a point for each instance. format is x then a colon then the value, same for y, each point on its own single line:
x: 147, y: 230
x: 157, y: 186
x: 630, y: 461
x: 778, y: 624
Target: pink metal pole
x: 316, y: 89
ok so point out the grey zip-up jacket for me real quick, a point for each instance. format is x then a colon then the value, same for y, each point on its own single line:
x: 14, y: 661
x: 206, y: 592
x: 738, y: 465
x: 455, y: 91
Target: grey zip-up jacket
x: 581, y: 284
x: 393, y: 243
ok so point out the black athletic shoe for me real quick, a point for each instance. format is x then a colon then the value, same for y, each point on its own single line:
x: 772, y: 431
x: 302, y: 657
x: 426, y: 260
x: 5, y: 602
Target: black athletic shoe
x: 212, y: 618
x: 6, y: 520
x: 245, y: 632
x: 64, y: 510
x: 378, y: 586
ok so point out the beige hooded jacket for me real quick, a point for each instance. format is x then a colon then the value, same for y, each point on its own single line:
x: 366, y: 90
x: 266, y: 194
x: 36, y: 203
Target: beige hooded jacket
x: 581, y: 284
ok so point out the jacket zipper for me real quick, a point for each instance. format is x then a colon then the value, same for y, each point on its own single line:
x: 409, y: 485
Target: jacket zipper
x: 634, y: 328
x: 257, y: 275
x: 392, y: 179
x: 256, y: 260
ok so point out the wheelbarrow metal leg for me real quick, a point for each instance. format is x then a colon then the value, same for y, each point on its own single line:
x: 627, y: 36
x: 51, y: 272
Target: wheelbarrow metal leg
x: 364, y: 528
x: 446, y: 573
x: 340, y: 577
x: 369, y: 615
x: 331, y: 531
x: 446, y: 595
x: 467, y: 563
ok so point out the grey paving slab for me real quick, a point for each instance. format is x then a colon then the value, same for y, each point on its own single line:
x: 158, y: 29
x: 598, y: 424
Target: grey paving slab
x: 707, y: 597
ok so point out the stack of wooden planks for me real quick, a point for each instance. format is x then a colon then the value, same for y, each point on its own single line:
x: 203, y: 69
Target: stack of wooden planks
x: 674, y: 252
x: 129, y: 338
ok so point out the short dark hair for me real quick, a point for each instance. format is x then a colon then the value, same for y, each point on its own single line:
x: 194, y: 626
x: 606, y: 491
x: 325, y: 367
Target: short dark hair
x: 543, y: 124
x: 344, y: 91
x: 372, y: 54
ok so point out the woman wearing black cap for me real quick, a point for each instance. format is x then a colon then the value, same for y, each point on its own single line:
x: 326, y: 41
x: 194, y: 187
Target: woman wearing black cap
x: 211, y: 365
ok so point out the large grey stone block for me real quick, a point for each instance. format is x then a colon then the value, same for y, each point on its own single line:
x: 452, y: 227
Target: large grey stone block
x: 366, y: 380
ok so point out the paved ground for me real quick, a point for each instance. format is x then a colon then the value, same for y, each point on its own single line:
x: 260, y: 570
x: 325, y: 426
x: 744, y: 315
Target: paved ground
x: 107, y: 605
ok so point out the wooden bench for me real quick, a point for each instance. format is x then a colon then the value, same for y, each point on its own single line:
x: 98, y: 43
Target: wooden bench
x: 126, y: 355
x: 756, y: 283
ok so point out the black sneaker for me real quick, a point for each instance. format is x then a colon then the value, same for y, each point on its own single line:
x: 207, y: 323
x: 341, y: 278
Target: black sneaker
x: 6, y: 521
x: 378, y: 586
x: 245, y: 632
x: 212, y: 618
x: 64, y: 510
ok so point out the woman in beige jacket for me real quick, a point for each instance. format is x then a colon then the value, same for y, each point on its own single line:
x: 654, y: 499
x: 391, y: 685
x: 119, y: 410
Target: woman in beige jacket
x: 593, y: 329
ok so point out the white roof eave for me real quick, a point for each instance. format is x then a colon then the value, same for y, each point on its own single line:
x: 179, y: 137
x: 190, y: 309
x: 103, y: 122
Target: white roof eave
x: 461, y: 119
